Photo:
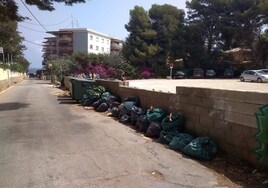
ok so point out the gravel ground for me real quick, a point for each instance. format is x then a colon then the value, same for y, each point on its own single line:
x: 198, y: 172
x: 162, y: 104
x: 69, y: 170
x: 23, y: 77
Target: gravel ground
x: 169, y: 85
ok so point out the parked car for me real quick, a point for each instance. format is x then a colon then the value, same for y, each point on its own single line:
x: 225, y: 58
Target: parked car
x: 264, y: 70
x: 228, y: 73
x: 198, y: 73
x: 31, y: 75
x: 254, y: 75
x: 178, y: 75
x: 210, y: 73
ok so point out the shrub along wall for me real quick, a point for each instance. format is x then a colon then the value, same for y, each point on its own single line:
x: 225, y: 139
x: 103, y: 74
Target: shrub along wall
x: 226, y: 116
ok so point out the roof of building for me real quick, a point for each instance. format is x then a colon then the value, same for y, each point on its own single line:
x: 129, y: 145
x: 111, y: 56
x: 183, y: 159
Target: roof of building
x: 73, y: 30
x: 234, y: 50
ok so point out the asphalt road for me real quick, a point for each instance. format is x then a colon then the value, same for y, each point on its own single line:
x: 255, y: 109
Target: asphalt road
x: 47, y: 140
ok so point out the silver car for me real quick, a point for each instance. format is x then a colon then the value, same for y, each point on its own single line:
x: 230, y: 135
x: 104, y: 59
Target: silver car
x: 254, y: 75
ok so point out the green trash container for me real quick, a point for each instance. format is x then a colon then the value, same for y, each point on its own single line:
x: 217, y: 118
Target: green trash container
x: 80, y: 86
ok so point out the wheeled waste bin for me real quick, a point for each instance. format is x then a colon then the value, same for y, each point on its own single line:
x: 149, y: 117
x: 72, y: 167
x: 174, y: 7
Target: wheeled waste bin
x: 79, y: 86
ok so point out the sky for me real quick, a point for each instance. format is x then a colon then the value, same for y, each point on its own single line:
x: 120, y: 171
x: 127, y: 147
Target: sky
x: 105, y: 16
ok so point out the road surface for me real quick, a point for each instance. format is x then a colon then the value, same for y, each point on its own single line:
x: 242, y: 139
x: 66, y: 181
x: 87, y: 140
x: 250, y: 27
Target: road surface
x: 47, y: 140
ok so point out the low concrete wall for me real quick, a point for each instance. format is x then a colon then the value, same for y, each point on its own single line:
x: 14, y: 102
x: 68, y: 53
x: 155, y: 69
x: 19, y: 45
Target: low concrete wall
x: 13, y: 76
x: 226, y: 116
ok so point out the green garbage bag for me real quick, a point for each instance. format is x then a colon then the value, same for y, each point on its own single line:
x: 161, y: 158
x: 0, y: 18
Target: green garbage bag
x: 180, y: 141
x: 175, y: 121
x: 105, y: 96
x: 202, y: 148
x: 155, y: 115
x: 166, y: 137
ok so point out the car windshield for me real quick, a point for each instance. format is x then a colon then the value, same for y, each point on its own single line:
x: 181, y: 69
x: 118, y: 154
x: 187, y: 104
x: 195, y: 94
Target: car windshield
x: 261, y: 72
x: 210, y: 71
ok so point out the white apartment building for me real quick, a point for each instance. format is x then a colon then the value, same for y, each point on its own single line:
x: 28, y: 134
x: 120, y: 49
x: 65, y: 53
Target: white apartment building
x: 68, y: 41
x: 90, y: 41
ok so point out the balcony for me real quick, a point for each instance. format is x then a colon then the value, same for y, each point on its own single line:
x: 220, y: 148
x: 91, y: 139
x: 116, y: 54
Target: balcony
x: 116, y: 47
x: 65, y: 40
x: 65, y: 49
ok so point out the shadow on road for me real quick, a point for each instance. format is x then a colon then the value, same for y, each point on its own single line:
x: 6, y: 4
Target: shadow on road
x: 12, y: 106
x: 66, y: 100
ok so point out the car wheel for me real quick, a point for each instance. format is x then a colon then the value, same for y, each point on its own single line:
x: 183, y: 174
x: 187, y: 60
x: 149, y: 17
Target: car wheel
x: 242, y: 79
x: 259, y: 80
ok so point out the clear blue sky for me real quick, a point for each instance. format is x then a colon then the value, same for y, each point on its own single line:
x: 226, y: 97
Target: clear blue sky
x: 105, y: 16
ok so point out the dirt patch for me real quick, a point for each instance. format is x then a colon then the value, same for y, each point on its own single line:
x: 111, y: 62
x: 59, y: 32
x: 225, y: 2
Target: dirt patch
x: 239, y: 172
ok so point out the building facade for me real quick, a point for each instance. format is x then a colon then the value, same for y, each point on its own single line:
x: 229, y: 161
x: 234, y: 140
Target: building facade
x: 65, y: 42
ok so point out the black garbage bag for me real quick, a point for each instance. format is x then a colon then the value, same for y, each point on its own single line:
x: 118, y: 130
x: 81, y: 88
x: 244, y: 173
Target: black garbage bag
x: 175, y: 121
x: 86, y: 102
x: 142, y: 124
x: 103, y: 107
x: 180, y: 141
x: 113, y: 104
x: 135, y: 113
x: 155, y: 114
x: 125, y: 119
x: 97, y: 103
x: 153, y: 130
x: 133, y: 99
x: 84, y: 97
x: 113, y: 101
x: 202, y: 148
x: 166, y: 137
x: 125, y: 108
x: 114, y: 112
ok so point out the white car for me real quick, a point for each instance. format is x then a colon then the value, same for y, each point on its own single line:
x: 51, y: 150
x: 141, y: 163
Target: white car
x: 254, y: 75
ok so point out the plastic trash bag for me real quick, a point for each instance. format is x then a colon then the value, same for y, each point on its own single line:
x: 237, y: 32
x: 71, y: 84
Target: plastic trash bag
x: 105, y: 96
x: 142, y: 124
x: 97, y: 103
x: 103, y: 107
x: 155, y: 115
x: 180, y: 141
x: 133, y: 99
x: 202, y: 148
x: 114, y: 112
x: 153, y: 130
x: 173, y: 122
x: 135, y: 113
x: 166, y: 137
x: 125, y: 119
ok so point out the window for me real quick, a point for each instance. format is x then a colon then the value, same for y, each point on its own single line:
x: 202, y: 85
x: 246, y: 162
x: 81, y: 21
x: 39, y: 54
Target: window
x: 102, y: 49
x: 107, y: 41
x: 97, y: 48
x: 97, y: 39
x: 91, y: 37
x: 102, y: 40
x: 91, y: 47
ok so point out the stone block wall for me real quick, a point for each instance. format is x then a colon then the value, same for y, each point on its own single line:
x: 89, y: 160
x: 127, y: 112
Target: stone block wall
x: 226, y: 116
x: 14, y: 78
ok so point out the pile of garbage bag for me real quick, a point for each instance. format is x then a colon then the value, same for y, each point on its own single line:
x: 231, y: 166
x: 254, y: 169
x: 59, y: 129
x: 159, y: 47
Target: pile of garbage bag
x: 154, y: 122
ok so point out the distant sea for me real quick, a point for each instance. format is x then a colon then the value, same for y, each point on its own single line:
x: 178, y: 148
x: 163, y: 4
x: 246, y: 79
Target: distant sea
x: 33, y: 70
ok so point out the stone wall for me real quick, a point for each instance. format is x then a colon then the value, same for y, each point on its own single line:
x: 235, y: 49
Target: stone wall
x: 226, y: 116
x: 14, y: 78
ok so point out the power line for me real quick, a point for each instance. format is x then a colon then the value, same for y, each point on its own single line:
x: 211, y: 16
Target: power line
x: 31, y: 29
x: 33, y: 15
x: 50, y: 24
x: 23, y: 37
x: 33, y: 42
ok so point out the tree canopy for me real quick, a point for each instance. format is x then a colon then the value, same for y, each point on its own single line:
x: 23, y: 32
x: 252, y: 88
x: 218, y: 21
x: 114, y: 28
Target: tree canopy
x: 210, y: 28
x: 9, y: 8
